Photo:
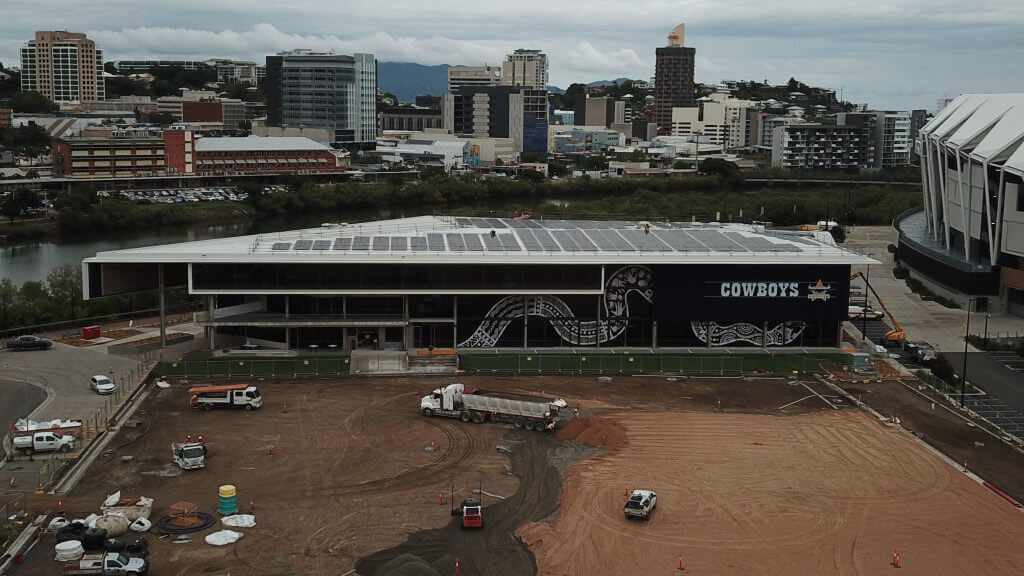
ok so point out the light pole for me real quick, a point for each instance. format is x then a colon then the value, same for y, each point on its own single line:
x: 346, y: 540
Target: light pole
x: 963, y: 371
x: 864, y: 311
x: 984, y: 343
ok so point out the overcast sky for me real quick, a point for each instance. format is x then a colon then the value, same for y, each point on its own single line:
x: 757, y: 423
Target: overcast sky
x: 897, y: 54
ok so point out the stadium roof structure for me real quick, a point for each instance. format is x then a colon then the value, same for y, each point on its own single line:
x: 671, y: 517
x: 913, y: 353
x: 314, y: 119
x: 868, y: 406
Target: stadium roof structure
x: 442, y: 239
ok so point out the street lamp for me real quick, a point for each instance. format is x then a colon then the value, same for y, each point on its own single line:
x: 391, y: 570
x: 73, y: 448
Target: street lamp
x: 864, y: 311
x: 963, y: 371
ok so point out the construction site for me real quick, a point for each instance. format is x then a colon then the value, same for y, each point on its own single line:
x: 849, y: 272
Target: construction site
x: 770, y: 475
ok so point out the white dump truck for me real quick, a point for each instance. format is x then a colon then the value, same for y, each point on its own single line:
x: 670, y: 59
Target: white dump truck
x: 189, y: 455
x: 109, y: 564
x: 44, y: 442
x: 460, y: 401
x: 226, y: 395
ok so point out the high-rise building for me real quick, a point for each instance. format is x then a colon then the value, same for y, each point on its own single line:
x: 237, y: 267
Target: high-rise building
x: 886, y: 136
x: 527, y: 68
x: 324, y: 90
x: 816, y: 147
x: 721, y: 119
x: 63, y: 66
x: 673, y: 78
x: 459, y: 76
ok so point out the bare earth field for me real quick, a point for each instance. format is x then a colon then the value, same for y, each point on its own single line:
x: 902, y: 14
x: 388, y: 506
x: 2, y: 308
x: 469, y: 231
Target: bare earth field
x: 356, y: 471
x: 826, y: 493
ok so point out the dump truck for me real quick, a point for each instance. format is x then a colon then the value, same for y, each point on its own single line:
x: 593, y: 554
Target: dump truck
x: 44, y: 442
x: 109, y: 564
x: 227, y: 395
x: 460, y: 401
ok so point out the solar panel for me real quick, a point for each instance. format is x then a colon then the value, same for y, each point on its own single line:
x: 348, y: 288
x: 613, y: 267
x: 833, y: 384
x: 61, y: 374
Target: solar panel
x: 282, y: 246
x: 790, y: 238
x: 479, y: 222
x: 519, y: 223
x: 361, y: 243
x: 473, y: 243
x: 681, y: 241
x: 322, y: 245
x: 435, y: 241
x: 492, y: 242
x: 582, y: 241
x: 342, y: 243
x: 456, y: 243
x: 717, y: 241
x: 508, y: 242
x: 464, y: 222
x: 532, y: 224
x: 546, y: 241
x: 644, y: 241
x: 302, y: 245
x: 418, y: 243
x: 381, y: 242
x: 563, y: 238
x: 496, y: 223
x: 399, y: 243
x: 529, y: 240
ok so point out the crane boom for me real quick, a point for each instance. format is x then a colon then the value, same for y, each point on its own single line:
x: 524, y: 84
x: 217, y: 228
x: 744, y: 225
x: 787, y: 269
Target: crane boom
x: 897, y: 334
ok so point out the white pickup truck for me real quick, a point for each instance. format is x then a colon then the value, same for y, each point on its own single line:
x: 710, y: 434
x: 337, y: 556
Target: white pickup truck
x: 641, y: 504
x: 44, y: 442
x: 109, y: 564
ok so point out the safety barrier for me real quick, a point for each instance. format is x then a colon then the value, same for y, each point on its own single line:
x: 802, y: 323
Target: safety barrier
x: 645, y: 363
x: 300, y: 367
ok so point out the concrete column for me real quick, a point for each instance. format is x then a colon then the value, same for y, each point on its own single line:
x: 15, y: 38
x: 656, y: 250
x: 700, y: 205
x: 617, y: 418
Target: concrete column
x: 163, y: 305
x: 455, y: 323
x: 708, y: 332
x: 526, y: 320
x: 287, y: 299
x: 764, y: 334
x: 288, y: 337
x: 654, y: 334
x: 597, y: 335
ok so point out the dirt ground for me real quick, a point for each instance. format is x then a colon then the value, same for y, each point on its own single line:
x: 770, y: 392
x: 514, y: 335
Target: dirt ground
x: 824, y: 493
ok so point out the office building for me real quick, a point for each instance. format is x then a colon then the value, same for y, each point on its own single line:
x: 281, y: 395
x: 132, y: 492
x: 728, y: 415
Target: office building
x: 527, y: 68
x: 816, y: 147
x: 459, y: 76
x: 720, y: 119
x: 204, y: 107
x: 514, y: 112
x: 429, y: 282
x: 673, y: 73
x: 187, y: 153
x: 324, y: 90
x: 63, y: 66
x: 126, y: 153
x: 601, y: 111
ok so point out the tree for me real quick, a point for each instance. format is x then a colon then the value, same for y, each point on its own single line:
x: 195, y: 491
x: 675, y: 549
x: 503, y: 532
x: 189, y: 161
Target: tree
x: 17, y: 202
x: 123, y: 86
x: 31, y: 102
x: 717, y: 166
x: 162, y: 88
x: 65, y: 283
x: 161, y: 118
x: 569, y: 98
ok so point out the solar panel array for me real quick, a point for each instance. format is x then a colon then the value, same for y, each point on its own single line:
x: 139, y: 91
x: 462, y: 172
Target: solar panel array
x: 563, y: 236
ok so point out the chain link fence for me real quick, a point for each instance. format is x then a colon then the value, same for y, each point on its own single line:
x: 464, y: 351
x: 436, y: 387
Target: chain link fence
x: 646, y: 363
x: 256, y: 368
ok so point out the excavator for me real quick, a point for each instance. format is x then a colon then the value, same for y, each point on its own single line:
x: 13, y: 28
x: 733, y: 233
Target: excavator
x: 894, y: 336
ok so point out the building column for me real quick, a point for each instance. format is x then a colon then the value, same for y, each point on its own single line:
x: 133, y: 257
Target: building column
x: 654, y: 334
x: 211, y: 330
x: 287, y: 298
x: 455, y: 321
x: 764, y: 335
x: 597, y: 334
x: 707, y: 332
x: 526, y: 317
x: 163, y: 305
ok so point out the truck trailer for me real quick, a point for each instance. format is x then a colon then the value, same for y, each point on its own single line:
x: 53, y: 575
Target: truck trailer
x: 460, y: 401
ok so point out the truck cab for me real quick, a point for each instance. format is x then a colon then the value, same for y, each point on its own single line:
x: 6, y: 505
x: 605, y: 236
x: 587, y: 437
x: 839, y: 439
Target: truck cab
x: 640, y: 505
x: 44, y: 442
x: 189, y: 455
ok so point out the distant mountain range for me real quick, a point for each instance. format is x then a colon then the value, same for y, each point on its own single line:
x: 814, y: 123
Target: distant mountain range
x: 407, y: 81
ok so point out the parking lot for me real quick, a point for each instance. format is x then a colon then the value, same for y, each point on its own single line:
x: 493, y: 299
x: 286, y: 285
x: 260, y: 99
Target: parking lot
x: 181, y: 195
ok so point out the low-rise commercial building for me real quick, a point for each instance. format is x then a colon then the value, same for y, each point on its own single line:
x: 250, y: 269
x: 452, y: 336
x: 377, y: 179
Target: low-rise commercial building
x: 126, y: 153
x: 188, y: 153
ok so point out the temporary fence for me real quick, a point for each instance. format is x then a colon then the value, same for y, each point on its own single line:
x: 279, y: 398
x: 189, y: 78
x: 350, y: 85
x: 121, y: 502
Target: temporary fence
x: 298, y: 367
x: 645, y: 363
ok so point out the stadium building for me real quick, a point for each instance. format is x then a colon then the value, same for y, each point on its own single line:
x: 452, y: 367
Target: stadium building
x: 967, y: 242
x: 472, y: 283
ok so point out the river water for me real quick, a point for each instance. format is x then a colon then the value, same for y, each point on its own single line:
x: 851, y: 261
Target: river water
x: 27, y: 261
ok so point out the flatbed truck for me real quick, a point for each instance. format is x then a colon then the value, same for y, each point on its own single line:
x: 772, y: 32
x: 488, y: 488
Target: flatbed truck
x: 469, y: 405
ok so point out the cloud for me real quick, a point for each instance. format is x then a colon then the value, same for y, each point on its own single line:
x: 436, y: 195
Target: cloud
x: 586, y: 59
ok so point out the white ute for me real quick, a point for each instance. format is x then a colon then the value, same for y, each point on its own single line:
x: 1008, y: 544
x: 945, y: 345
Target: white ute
x: 109, y: 564
x: 44, y: 442
x: 641, y: 504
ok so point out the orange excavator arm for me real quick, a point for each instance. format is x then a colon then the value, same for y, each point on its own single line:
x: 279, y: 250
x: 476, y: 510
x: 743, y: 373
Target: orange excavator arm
x: 896, y: 334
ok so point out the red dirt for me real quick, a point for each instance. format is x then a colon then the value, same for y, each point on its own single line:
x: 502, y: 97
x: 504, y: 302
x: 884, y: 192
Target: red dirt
x: 594, y: 431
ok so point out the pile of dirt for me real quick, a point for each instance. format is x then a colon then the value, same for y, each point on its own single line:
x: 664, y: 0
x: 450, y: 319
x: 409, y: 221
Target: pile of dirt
x: 410, y: 565
x: 594, y: 431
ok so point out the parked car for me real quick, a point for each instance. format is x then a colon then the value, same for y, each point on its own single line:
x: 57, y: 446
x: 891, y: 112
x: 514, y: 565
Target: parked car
x: 101, y: 385
x: 858, y: 312
x: 28, y: 342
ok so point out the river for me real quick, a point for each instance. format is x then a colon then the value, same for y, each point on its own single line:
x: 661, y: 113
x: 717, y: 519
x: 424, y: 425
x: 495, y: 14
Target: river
x: 27, y: 261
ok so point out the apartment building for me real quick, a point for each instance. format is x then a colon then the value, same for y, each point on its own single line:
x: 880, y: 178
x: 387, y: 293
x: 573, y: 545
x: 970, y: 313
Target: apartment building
x: 770, y: 123
x: 130, y: 66
x: 514, y: 112
x: 527, y: 68
x: 63, y: 66
x: 721, y: 119
x: 816, y: 147
x: 886, y: 135
x: 324, y: 90
x: 601, y: 111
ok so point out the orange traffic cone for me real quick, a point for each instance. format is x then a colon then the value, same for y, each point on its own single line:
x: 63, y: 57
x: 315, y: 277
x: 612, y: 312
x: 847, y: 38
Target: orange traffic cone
x: 60, y: 506
x: 457, y: 572
x: 679, y: 565
x: 271, y: 449
x: 896, y: 559
x: 440, y: 499
x: 252, y: 507
x: 965, y: 465
x: 625, y: 490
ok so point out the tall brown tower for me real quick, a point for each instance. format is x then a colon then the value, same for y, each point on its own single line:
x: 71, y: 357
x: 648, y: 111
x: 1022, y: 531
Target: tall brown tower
x: 673, y: 78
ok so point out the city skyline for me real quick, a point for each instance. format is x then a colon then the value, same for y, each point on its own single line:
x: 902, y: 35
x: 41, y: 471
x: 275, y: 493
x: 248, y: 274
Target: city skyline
x: 890, y: 57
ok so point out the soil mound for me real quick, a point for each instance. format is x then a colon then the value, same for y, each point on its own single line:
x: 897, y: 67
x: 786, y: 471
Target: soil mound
x: 595, y: 431
x: 407, y: 565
